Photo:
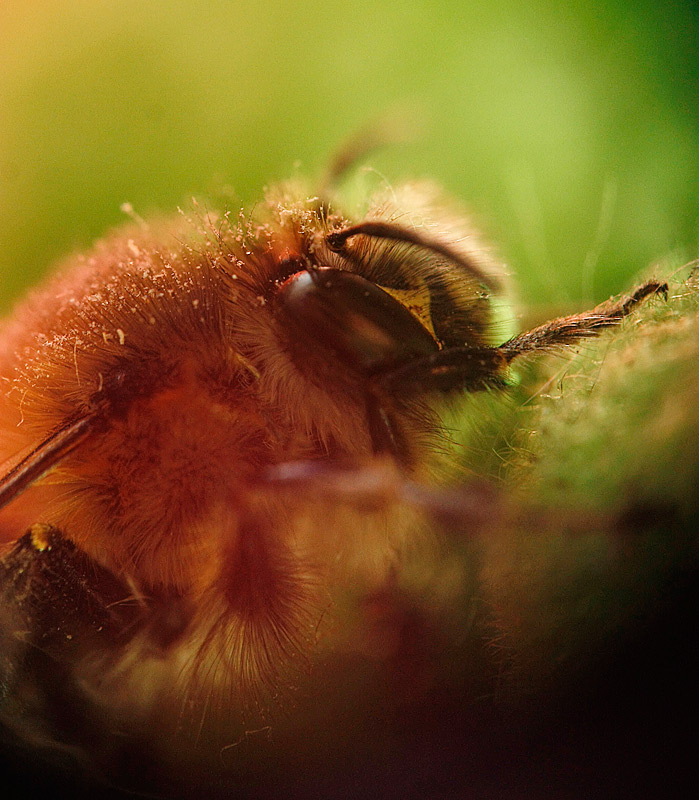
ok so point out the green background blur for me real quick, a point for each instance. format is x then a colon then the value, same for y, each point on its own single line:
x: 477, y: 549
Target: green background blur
x: 571, y: 129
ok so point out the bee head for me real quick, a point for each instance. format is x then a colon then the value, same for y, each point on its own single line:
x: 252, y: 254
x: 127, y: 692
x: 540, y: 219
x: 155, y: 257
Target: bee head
x: 367, y: 300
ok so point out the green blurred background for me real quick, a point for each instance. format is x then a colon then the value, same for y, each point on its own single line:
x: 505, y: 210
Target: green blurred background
x: 571, y: 129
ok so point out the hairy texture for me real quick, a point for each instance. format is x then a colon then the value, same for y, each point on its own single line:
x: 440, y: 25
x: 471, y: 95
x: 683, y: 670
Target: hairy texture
x: 162, y: 355
x: 254, y: 477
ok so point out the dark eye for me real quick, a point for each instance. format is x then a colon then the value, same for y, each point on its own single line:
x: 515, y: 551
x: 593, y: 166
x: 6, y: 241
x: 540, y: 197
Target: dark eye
x: 352, y: 319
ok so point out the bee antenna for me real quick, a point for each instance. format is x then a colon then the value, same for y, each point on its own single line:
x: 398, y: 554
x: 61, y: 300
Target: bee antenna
x: 337, y: 242
x: 398, y: 124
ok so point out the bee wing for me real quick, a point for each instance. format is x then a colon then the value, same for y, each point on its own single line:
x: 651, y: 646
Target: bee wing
x: 380, y: 483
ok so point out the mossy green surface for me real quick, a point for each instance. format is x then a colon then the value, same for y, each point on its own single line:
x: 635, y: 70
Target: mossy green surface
x: 602, y: 487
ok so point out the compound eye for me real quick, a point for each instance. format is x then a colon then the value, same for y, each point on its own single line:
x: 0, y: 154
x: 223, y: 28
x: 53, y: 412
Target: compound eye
x: 352, y: 319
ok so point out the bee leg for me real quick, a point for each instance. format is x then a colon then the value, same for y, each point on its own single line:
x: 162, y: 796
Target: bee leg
x: 55, y: 447
x: 62, y: 597
x: 386, y: 436
x: 474, y: 368
x: 467, y: 369
x: 57, y: 607
x: 568, y: 330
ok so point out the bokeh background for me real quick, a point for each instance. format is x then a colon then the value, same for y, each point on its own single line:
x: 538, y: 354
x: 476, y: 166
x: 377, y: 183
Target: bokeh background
x: 571, y: 129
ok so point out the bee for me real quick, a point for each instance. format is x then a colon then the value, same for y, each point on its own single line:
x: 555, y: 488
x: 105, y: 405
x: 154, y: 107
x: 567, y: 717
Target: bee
x: 221, y: 433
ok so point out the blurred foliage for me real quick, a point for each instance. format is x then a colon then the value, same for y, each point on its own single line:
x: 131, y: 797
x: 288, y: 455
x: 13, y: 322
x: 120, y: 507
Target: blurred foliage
x: 609, y: 450
x: 571, y: 130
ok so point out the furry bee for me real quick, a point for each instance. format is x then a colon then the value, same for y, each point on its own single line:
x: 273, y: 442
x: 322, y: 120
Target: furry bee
x: 209, y: 428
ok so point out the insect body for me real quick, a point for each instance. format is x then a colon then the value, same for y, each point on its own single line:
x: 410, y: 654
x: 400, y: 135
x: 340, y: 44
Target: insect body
x: 170, y: 400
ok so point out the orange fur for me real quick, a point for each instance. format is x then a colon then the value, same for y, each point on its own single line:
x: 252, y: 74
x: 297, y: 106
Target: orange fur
x: 168, y: 335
